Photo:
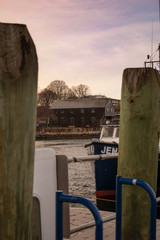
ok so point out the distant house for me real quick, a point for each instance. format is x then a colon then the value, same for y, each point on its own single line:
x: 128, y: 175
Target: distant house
x: 112, y: 110
x: 79, y: 112
x: 86, y: 112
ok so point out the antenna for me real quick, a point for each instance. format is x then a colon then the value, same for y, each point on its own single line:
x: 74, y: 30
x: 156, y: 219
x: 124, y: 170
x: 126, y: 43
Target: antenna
x: 149, y: 62
x: 159, y: 16
x: 151, y: 43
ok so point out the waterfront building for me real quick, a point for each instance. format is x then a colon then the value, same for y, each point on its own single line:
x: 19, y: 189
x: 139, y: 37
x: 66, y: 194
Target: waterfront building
x: 85, y: 112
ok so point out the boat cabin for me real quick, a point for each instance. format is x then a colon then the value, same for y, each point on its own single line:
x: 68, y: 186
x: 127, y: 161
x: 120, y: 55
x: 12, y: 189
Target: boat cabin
x: 109, y: 133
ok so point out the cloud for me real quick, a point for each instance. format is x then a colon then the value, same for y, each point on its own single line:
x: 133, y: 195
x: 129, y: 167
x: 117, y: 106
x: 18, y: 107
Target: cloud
x: 86, y: 41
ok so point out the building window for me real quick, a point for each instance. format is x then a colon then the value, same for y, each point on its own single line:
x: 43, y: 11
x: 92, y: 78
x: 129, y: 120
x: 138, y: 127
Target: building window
x: 82, y: 110
x: 62, y: 110
x: 82, y: 120
x: 71, y: 110
x: 92, y: 119
x: 93, y: 110
x: 36, y: 220
x: 62, y: 121
x: 56, y: 111
x: 72, y: 121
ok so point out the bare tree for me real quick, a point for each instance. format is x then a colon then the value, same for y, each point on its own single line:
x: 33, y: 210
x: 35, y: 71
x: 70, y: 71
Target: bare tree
x: 60, y: 88
x: 81, y: 90
x: 46, y: 97
x: 71, y: 94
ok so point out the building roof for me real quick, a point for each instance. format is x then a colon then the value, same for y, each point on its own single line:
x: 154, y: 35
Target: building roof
x: 79, y: 103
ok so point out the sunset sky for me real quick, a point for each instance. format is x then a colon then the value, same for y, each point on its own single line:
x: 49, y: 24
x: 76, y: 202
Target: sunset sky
x: 87, y: 41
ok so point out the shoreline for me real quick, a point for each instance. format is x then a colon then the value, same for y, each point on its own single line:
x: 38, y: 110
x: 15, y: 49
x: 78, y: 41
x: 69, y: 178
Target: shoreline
x: 55, y: 136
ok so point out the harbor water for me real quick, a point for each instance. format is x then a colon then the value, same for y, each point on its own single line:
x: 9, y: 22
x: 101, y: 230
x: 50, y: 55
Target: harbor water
x: 81, y: 177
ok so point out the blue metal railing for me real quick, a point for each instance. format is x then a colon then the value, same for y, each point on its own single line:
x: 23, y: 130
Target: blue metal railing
x: 127, y: 181
x: 60, y: 198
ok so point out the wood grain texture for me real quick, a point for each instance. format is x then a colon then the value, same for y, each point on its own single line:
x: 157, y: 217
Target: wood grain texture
x: 18, y: 91
x: 138, y: 147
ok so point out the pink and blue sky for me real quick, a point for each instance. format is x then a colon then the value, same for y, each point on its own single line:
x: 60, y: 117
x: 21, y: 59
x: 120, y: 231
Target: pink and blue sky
x: 87, y: 41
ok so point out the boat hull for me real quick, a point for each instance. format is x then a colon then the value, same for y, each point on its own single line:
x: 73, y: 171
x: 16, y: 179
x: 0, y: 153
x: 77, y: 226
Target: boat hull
x: 101, y: 148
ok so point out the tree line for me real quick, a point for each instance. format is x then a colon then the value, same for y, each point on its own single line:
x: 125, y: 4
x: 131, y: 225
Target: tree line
x: 58, y: 89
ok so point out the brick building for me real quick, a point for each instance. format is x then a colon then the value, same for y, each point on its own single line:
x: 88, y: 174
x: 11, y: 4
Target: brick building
x: 86, y: 112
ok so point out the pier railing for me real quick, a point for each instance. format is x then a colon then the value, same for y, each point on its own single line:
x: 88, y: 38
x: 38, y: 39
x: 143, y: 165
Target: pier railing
x: 61, y: 198
x: 63, y: 184
x: 88, y: 158
x: 128, y: 181
x: 91, y: 158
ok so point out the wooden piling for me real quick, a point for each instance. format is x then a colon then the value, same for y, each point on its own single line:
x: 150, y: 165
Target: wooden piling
x: 138, y: 148
x: 18, y: 91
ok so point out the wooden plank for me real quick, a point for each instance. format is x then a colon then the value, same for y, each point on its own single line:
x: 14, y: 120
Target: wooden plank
x: 18, y: 91
x: 62, y: 184
x: 138, y: 148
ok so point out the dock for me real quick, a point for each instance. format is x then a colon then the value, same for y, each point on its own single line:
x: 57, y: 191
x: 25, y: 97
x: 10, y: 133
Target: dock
x: 79, y: 216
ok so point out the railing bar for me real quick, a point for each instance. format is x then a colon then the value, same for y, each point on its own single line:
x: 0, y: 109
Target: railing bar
x: 93, y: 209
x: 91, y: 224
x: 91, y: 158
x: 110, y: 218
x: 82, y: 227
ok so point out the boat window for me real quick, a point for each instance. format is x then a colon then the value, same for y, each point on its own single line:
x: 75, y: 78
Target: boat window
x: 117, y: 132
x: 108, y: 132
x: 36, y: 220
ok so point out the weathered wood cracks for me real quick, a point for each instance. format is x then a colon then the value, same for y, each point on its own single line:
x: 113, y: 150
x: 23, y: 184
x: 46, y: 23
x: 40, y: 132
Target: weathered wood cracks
x: 138, y: 147
x: 18, y: 94
x: 136, y: 78
x: 15, y: 48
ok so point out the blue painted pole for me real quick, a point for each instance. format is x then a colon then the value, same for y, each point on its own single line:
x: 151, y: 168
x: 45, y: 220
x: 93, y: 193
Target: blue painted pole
x: 127, y: 181
x: 73, y: 199
x: 118, y: 208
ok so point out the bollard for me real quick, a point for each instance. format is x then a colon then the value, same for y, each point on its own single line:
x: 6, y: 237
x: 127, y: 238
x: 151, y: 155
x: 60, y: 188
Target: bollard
x: 18, y: 93
x: 138, y: 147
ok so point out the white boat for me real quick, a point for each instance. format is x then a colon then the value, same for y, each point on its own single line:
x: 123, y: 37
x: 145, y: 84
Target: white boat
x: 107, y: 143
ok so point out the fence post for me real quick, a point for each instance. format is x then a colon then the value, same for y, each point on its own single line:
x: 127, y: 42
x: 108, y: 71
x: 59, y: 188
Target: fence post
x: 62, y: 184
x: 18, y: 93
x: 138, y: 148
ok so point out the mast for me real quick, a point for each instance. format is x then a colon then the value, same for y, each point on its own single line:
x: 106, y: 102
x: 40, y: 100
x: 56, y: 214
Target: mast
x: 149, y: 62
x: 159, y: 55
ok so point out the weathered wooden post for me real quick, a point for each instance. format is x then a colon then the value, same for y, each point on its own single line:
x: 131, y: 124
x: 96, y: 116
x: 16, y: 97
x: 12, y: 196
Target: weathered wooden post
x: 138, y: 149
x: 18, y: 91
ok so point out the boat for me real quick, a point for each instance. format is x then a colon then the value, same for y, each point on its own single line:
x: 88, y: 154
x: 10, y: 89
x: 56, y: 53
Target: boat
x: 105, y: 171
x: 107, y: 143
